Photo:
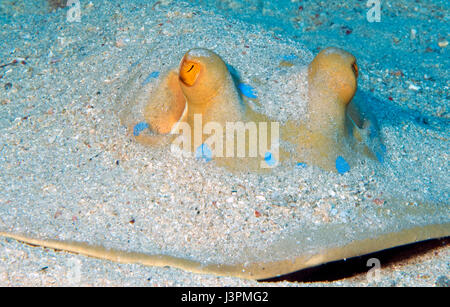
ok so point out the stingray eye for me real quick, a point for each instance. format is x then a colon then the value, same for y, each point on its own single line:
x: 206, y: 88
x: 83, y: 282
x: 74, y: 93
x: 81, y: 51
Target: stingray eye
x: 189, y: 72
x: 355, y: 69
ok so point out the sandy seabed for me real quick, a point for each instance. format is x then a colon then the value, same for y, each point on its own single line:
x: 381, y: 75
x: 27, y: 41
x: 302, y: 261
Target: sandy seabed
x: 70, y: 170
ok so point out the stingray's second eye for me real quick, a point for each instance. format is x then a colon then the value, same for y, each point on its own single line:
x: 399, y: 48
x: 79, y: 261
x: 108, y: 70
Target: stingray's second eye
x: 189, y: 72
x: 355, y: 69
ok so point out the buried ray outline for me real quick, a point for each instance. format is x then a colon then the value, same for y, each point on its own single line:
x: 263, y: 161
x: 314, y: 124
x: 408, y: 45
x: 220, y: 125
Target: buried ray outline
x: 186, y: 111
x: 251, y: 270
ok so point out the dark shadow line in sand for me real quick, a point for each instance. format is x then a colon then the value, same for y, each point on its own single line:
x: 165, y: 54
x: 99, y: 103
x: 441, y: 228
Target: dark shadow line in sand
x: 390, y: 114
x: 341, y: 269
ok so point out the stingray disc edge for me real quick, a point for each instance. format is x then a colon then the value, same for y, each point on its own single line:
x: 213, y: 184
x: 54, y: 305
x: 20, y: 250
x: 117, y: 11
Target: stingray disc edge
x: 256, y: 270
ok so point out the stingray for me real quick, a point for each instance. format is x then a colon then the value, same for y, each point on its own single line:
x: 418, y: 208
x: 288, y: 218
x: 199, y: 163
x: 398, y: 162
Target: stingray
x: 402, y: 217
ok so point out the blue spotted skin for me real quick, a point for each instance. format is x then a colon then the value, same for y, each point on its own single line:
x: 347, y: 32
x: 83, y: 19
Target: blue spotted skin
x: 203, y: 152
x: 380, y: 157
x: 301, y: 164
x: 139, y: 128
x: 269, y: 159
x: 380, y: 154
x: 151, y: 76
x: 341, y: 165
x: 247, y: 90
x: 289, y: 57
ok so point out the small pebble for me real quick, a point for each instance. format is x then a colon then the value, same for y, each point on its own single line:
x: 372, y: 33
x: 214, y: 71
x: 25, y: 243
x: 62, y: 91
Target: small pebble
x: 378, y: 201
x: 55, y: 60
x: 398, y: 73
x: 8, y: 86
x: 443, y: 44
x: 414, y: 87
x: 120, y: 43
x: 285, y: 64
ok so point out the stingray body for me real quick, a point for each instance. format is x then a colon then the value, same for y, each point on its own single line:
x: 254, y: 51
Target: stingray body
x: 336, y: 126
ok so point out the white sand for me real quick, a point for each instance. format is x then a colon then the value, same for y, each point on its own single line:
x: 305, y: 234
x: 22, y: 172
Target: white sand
x: 70, y: 171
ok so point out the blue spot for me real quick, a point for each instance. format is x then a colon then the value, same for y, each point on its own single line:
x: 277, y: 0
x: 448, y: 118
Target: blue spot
x: 380, y: 157
x: 247, y: 90
x: 139, y: 128
x: 269, y: 159
x: 151, y: 76
x: 203, y: 152
x: 289, y: 57
x: 342, y: 165
x: 301, y: 164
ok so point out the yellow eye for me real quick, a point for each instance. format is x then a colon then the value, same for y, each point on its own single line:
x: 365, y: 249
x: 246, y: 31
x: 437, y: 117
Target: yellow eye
x: 355, y: 69
x: 189, y: 72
